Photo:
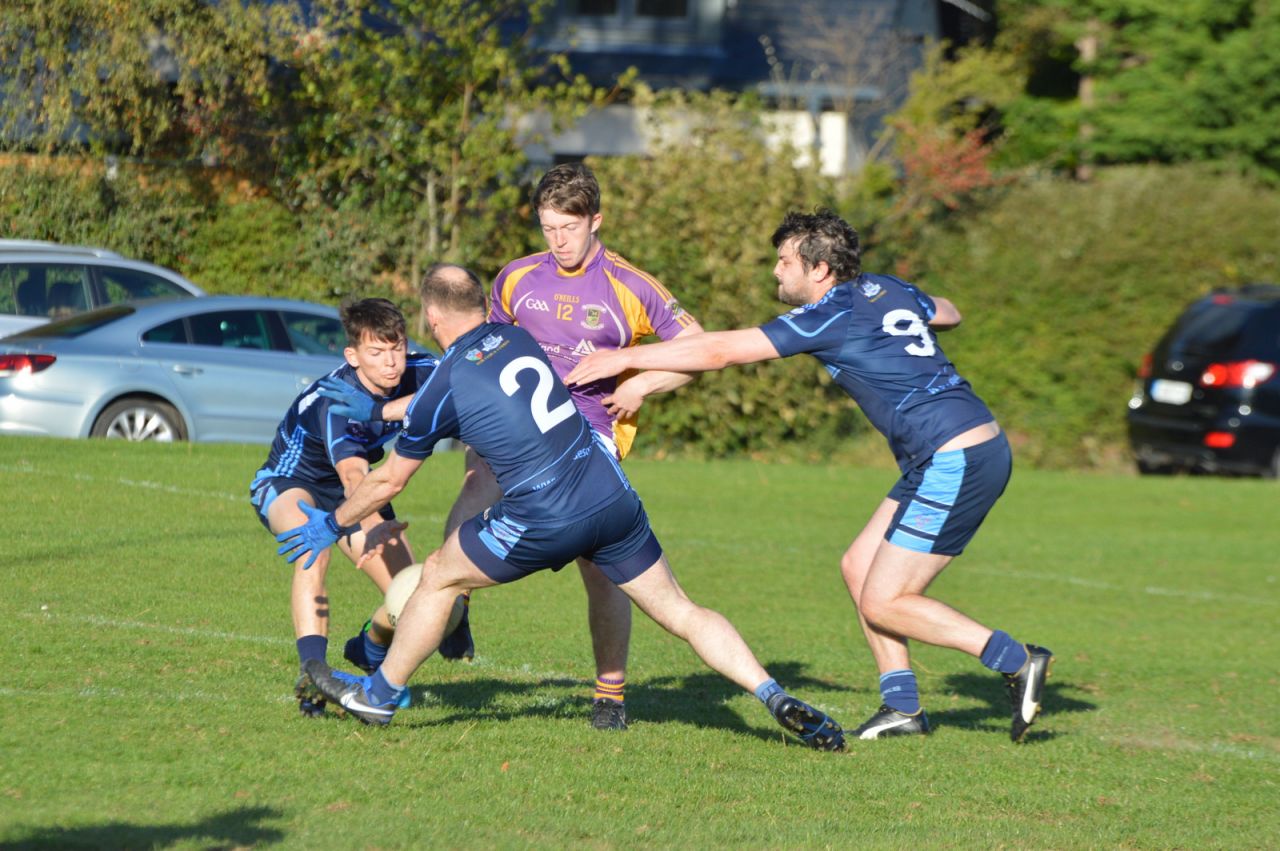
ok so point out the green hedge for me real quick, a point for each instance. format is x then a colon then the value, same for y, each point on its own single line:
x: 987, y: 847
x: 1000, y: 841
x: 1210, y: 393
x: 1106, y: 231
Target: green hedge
x: 1064, y: 285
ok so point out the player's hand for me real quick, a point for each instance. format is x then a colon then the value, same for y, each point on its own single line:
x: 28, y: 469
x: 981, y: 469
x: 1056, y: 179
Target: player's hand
x: 351, y: 403
x: 384, y: 534
x: 625, y: 400
x: 320, y: 532
x: 597, y: 365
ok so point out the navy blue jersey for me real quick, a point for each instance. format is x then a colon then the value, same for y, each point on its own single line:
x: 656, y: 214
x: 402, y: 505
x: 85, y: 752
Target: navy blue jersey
x: 311, y: 439
x: 872, y: 335
x: 496, y: 391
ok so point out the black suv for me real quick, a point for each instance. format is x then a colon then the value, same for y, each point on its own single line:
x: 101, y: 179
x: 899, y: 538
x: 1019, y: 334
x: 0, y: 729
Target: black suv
x: 1208, y: 395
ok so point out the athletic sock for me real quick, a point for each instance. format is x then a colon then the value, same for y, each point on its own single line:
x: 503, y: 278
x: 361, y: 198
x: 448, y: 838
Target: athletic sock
x: 768, y: 689
x: 609, y: 689
x: 1003, y: 654
x: 374, y: 652
x: 312, y: 647
x: 899, y: 691
x: 381, y: 691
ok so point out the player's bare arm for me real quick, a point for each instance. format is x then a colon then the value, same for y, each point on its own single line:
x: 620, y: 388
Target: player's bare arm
x: 377, y: 489
x: 711, y: 350
x: 945, y: 315
x: 629, y: 395
x: 394, y: 411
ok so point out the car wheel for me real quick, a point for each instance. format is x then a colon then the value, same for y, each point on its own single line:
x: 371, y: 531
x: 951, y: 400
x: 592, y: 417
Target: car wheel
x: 1272, y: 471
x: 136, y: 418
x: 1148, y: 468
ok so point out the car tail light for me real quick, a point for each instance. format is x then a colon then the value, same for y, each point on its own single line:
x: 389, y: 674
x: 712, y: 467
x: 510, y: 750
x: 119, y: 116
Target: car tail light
x: 1144, y: 368
x: 1243, y: 373
x: 10, y: 364
x: 1219, y: 440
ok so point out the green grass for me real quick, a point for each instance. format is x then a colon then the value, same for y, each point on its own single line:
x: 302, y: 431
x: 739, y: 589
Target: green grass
x: 150, y: 662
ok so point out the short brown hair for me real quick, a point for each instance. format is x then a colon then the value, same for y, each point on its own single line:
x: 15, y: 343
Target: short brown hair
x: 452, y: 288
x: 569, y: 188
x: 377, y: 317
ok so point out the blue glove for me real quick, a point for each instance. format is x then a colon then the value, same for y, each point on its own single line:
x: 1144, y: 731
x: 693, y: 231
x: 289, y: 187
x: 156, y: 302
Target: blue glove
x: 352, y: 404
x: 320, y: 532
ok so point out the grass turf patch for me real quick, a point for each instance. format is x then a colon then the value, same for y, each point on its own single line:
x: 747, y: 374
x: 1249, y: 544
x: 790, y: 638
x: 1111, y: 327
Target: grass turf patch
x: 149, y: 703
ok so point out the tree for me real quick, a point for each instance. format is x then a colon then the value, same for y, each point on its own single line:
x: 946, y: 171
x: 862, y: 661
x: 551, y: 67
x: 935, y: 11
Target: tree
x: 410, y: 110
x: 161, y: 78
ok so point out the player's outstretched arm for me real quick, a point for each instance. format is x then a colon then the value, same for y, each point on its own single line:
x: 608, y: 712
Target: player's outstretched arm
x: 945, y: 314
x: 323, y: 528
x: 704, y: 352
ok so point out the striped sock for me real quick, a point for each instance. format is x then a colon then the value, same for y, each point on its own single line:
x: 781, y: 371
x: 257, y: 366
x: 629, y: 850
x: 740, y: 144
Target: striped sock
x: 607, y: 689
x: 899, y: 691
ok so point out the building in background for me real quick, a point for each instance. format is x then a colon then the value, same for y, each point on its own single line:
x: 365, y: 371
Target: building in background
x: 830, y: 70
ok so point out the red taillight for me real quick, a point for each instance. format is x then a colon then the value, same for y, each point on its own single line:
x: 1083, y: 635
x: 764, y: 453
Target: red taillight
x: 10, y: 364
x: 1243, y: 373
x: 1144, y: 368
x: 1219, y: 440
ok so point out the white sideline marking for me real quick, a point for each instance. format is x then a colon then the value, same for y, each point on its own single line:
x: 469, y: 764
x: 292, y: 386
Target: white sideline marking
x: 30, y: 469
x: 1155, y: 591
x: 96, y: 620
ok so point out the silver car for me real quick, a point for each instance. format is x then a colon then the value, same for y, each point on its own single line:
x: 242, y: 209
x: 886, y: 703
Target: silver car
x: 40, y: 281
x: 220, y: 368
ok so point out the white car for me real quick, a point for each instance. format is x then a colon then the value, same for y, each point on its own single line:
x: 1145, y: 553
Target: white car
x: 40, y: 281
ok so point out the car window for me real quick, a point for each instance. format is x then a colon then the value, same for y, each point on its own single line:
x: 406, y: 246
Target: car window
x: 1209, y: 329
x: 314, y: 335
x: 231, y: 329
x: 174, y: 331
x: 128, y: 284
x: 81, y: 323
x: 46, y: 290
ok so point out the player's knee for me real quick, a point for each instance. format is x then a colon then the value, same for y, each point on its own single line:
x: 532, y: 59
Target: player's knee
x: 877, y: 609
x: 853, y: 568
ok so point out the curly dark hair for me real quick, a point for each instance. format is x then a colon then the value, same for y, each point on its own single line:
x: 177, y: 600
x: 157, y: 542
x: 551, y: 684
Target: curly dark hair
x: 822, y: 237
x: 377, y: 317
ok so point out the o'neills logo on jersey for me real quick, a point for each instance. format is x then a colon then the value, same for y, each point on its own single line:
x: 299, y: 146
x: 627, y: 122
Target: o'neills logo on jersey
x: 583, y: 348
x: 488, y: 346
x: 871, y: 290
x: 591, y: 316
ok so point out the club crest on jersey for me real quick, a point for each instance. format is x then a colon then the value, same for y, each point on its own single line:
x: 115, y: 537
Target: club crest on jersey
x: 593, y: 314
x: 488, y: 346
x: 871, y: 290
x: 676, y: 310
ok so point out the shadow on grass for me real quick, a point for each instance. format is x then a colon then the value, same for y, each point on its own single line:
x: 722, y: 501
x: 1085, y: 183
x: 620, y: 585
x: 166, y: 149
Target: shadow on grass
x: 234, y: 829
x: 698, y: 699
x: 994, y: 716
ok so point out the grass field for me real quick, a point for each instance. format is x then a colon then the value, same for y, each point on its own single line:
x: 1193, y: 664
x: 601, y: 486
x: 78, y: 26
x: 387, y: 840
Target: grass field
x: 150, y: 657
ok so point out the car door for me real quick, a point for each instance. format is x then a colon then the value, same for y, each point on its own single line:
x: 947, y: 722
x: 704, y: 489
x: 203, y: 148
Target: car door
x: 317, y: 341
x: 233, y: 383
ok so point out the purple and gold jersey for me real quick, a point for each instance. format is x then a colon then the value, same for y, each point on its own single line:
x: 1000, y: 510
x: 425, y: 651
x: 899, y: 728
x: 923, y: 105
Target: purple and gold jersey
x: 873, y: 336
x: 606, y: 304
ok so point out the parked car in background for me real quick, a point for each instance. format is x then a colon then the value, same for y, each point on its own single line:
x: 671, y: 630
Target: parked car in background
x: 40, y: 281
x: 219, y: 368
x: 1208, y: 395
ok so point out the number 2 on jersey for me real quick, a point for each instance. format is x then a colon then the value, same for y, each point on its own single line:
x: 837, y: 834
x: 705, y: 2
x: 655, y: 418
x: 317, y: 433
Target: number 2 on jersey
x: 915, y: 327
x: 543, y: 417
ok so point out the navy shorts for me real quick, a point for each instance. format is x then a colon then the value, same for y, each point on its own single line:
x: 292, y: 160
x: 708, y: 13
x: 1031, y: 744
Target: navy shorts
x: 265, y: 489
x: 942, y: 503
x: 617, y: 538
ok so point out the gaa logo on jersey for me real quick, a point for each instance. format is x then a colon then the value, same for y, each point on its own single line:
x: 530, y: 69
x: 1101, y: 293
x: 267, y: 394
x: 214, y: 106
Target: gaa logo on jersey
x: 593, y: 314
x: 871, y: 290
x: 535, y: 303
